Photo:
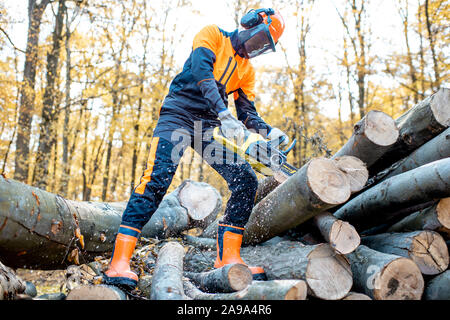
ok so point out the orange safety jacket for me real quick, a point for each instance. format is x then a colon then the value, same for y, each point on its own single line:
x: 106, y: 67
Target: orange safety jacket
x: 213, y: 71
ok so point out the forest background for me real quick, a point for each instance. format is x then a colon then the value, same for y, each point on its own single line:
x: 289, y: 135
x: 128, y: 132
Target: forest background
x: 82, y: 81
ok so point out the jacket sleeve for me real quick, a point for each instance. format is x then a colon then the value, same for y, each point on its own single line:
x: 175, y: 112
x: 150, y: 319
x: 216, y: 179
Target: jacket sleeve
x: 203, y: 57
x: 244, y: 99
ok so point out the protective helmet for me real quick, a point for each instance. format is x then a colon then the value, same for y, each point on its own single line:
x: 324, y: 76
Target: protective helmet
x: 262, y: 30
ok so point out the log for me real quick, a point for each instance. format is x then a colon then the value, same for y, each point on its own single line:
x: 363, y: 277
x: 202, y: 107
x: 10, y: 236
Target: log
x: 356, y: 296
x: 96, y: 292
x: 167, y: 283
x: 378, y: 204
x: 372, y: 137
x: 418, y: 125
x: 434, y: 218
x: 10, y: 284
x: 317, y: 186
x: 341, y: 235
x: 326, y: 273
x: 385, y: 276
x: 435, y: 149
x: 426, y: 248
x: 438, y: 288
x: 265, y: 186
x: 258, y: 290
x: 230, y: 278
x: 41, y: 230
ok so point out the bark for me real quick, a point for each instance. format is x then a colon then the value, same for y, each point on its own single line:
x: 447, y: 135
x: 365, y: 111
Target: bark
x: 381, y: 202
x: 372, y: 137
x: 434, y: 218
x: 96, y: 292
x: 317, y: 186
x: 10, y: 284
x: 426, y: 248
x: 418, y: 125
x: 167, y: 283
x: 42, y: 230
x: 438, y: 288
x: 341, y: 235
x: 258, y: 290
x: 27, y: 93
x: 435, y: 149
x: 384, y: 276
x: 230, y: 278
x: 327, y: 274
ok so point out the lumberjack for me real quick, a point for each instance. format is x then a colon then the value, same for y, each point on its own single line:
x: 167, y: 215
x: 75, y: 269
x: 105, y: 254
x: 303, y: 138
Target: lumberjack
x: 219, y: 65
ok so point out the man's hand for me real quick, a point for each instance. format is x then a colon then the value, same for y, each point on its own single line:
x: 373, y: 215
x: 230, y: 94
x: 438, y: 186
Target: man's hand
x: 231, y: 127
x: 276, y: 133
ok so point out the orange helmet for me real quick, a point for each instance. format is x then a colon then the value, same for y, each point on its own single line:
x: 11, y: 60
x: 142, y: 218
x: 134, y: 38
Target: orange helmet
x: 276, y: 26
x: 263, y: 29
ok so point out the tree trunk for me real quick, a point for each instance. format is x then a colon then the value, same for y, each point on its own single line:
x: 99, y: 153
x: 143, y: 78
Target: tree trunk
x: 355, y: 170
x: 317, y: 186
x: 372, y: 137
x: 434, y: 218
x: 47, y: 132
x: 230, y: 278
x: 10, y: 284
x: 341, y: 235
x: 258, y: 290
x: 96, y: 292
x: 327, y: 274
x: 418, y: 125
x: 27, y: 93
x: 42, y: 230
x: 426, y: 248
x: 438, y: 288
x: 384, y: 276
x: 381, y: 202
x: 167, y: 283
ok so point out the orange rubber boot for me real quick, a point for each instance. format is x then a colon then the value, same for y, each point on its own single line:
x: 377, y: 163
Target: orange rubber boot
x: 229, y: 241
x: 119, y: 273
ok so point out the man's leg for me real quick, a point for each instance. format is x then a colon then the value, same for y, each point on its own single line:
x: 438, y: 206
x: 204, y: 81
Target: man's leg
x: 243, y: 184
x: 143, y: 202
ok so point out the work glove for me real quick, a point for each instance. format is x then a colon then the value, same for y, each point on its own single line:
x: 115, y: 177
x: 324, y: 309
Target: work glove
x: 231, y: 127
x: 276, y: 133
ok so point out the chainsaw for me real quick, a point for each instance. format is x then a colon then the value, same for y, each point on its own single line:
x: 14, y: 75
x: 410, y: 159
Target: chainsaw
x: 263, y: 155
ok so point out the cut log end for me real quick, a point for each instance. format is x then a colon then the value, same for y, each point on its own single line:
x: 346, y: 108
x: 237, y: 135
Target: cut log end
x: 440, y: 107
x: 357, y: 296
x: 96, y: 292
x: 430, y: 252
x: 355, y: 170
x: 239, y: 277
x: 381, y: 128
x: 199, y: 199
x: 343, y: 237
x: 443, y: 212
x: 328, y: 275
x: 401, y: 279
x: 328, y: 182
x: 299, y: 291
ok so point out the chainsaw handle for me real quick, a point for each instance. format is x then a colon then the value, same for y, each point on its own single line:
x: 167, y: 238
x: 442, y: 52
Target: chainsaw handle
x: 289, y: 149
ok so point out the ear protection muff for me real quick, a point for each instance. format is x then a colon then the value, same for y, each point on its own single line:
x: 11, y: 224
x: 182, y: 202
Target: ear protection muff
x: 253, y: 17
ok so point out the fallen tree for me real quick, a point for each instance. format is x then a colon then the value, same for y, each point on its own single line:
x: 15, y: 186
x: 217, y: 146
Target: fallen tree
x: 426, y: 248
x: 435, y: 217
x: 42, y: 230
x: 438, y: 288
x: 327, y: 274
x: 258, y: 290
x: 385, y: 276
x: 381, y: 202
x: 416, y: 126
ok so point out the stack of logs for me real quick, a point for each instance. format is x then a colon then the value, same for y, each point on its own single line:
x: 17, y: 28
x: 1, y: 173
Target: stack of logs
x: 371, y: 222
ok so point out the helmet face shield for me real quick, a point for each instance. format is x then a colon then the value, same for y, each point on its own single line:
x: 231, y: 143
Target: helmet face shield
x: 257, y: 40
